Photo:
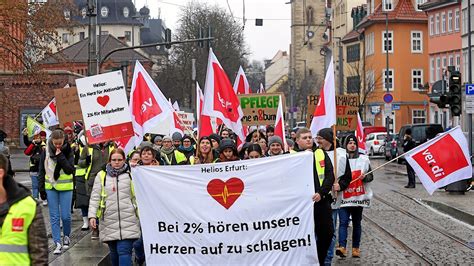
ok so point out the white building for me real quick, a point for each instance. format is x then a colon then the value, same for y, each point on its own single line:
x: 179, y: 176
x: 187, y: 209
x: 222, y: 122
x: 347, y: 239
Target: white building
x: 277, y: 71
x: 464, y: 34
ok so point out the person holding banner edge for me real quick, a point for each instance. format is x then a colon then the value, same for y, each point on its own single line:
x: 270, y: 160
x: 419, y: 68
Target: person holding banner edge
x: 323, y: 176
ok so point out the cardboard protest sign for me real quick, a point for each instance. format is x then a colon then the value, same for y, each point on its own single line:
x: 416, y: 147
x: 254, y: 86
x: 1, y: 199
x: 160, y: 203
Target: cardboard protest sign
x: 106, y: 112
x: 260, y: 109
x: 347, y: 107
x: 67, y: 105
x: 232, y: 213
x: 187, y: 120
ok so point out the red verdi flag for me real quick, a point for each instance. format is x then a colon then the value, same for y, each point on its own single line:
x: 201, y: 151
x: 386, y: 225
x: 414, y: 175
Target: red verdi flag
x: 241, y: 84
x: 204, y: 121
x: 359, y: 133
x: 442, y: 160
x: 280, y: 124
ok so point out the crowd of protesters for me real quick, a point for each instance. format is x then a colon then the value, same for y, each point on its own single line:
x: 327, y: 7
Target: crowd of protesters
x: 67, y: 172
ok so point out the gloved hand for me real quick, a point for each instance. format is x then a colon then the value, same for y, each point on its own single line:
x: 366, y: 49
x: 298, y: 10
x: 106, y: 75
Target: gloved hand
x: 43, y: 195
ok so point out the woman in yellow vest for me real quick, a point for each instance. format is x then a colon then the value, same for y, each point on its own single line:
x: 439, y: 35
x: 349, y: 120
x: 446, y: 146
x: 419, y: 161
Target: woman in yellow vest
x: 113, y: 203
x: 56, y: 181
x: 23, y: 239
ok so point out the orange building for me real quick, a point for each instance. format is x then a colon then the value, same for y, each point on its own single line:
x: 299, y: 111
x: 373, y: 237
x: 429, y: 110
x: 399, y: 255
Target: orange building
x: 12, y: 35
x: 408, y: 62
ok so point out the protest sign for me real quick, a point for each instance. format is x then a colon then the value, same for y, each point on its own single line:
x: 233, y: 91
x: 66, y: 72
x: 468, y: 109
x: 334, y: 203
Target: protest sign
x: 106, y: 112
x: 228, y: 213
x: 187, y: 121
x: 260, y: 109
x: 34, y: 127
x: 67, y: 105
x: 347, y: 107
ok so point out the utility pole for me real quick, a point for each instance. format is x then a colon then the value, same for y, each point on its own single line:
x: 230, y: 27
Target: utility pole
x: 387, y: 119
x: 92, y: 66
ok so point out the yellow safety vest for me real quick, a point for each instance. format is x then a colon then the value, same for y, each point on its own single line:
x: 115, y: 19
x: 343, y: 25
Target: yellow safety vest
x: 103, y: 195
x: 64, y: 182
x: 91, y: 150
x: 80, y: 171
x: 179, y: 156
x: 14, y: 233
x: 320, y: 165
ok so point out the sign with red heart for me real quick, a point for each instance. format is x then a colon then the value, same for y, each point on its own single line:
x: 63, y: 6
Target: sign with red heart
x: 226, y: 193
x: 103, y: 100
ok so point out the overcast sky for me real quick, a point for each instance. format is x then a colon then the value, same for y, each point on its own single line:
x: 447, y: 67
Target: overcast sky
x: 264, y: 42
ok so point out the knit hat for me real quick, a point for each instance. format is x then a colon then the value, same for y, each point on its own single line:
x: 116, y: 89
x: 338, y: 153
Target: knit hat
x: 145, y: 144
x: 290, y: 142
x: 68, y: 129
x: 157, y: 138
x: 42, y: 134
x: 326, y: 133
x: 215, y: 137
x: 176, y: 136
x: 275, y: 139
x: 351, y: 137
x: 187, y: 137
x: 227, y: 143
x: 167, y: 138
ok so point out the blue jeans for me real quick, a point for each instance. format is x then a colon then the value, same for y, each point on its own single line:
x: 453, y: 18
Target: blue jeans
x: 59, y: 204
x: 84, y: 211
x: 356, y: 214
x: 121, y: 252
x: 330, y: 254
x: 139, y: 250
x: 34, y: 185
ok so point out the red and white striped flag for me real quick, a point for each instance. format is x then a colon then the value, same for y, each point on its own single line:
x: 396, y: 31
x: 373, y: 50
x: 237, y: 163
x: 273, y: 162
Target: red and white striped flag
x: 442, y: 160
x: 220, y: 99
x: 359, y: 133
x: 241, y: 84
x: 126, y: 144
x: 280, y: 124
x: 325, y: 113
x: 204, y: 122
x: 49, y: 114
x: 148, y: 105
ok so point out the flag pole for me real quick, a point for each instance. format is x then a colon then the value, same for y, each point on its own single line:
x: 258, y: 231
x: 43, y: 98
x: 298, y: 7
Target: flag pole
x: 334, y: 142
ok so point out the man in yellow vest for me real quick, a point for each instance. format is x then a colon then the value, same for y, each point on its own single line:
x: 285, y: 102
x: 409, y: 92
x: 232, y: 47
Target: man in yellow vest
x: 23, y: 238
x: 323, y: 180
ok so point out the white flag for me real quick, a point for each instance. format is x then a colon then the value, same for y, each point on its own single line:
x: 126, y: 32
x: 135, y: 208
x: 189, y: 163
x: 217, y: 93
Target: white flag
x: 49, y: 114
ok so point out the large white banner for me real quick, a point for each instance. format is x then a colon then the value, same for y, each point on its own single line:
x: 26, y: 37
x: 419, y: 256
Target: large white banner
x: 246, y: 212
x: 104, y: 107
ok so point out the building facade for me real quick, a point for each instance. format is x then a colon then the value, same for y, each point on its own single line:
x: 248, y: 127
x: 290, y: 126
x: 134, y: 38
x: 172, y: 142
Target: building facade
x: 465, y: 33
x: 276, y: 72
x: 444, y: 48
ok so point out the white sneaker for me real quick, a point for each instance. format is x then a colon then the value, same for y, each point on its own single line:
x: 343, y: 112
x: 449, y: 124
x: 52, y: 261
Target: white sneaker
x: 57, y: 250
x: 45, y: 203
x: 66, y: 242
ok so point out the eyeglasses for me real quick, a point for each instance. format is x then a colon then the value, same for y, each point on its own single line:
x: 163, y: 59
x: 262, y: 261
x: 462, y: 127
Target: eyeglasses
x: 116, y: 160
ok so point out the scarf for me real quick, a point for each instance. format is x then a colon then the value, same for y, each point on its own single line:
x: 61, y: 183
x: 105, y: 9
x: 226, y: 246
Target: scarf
x: 113, y: 172
x: 188, y: 149
x: 167, y: 152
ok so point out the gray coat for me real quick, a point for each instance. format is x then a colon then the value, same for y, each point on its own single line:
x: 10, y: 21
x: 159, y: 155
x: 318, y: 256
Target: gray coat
x: 119, y: 220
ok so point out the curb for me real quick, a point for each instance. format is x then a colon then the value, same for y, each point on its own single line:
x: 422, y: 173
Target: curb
x: 451, y: 211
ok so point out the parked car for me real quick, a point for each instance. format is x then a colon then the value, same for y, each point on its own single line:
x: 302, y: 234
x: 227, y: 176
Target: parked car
x: 391, y: 150
x: 375, y: 143
x: 373, y: 129
x: 420, y: 134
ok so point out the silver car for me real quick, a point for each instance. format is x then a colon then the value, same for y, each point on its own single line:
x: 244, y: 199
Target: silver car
x: 375, y: 143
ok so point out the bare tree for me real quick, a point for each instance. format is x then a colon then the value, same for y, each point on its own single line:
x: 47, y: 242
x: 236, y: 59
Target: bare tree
x: 255, y: 73
x: 228, y: 45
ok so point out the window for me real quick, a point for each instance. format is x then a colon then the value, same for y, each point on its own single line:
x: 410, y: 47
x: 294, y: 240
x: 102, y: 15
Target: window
x: 443, y: 22
x: 416, y: 79
x: 104, y: 32
x: 418, y: 3
x: 388, y: 80
x: 438, y: 67
x: 432, y: 70
x: 372, y: 6
x: 353, y: 53
x: 417, y: 42
x: 310, y: 71
x: 126, y: 12
x: 128, y: 36
x: 464, y: 21
x: 82, y: 35
x: 445, y: 63
x: 387, y: 5
x: 450, y: 21
x: 456, y: 20
x: 431, y: 25
x: 353, y: 84
x: 387, y: 42
x: 369, y: 44
x: 465, y: 66
x: 437, y: 24
x: 67, y: 14
x: 458, y: 63
x: 84, y: 12
x: 451, y: 60
x: 418, y: 117
x: 65, y: 38
x: 104, y: 12
x: 370, y: 80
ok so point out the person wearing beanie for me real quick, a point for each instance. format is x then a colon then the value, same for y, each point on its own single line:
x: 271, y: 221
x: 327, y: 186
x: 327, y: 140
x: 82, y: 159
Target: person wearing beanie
x: 187, y: 148
x: 323, y: 176
x: 275, y: 145
x: 291, y: 145
x: 270, y: 131
x: 325, y: 140
x: 215, y: 141
x: 227, y: 151
x: 352, y: 210
x: 176, y: 137
x: 157, y: 142
x: 170, y: 154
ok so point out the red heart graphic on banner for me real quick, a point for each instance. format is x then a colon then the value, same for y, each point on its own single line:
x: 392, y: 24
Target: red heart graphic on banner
x: 226, y: 193
x: 103, y: 100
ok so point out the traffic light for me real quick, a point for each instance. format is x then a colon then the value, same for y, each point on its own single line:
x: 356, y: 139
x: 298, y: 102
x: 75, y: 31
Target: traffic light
x: 455, y: 94
x: 168, y: 38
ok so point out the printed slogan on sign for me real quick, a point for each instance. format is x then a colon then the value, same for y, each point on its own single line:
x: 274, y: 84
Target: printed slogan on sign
x: 347, y: 107
x: 260, y: 109
x: 104, y: 107
x: 228, y: 213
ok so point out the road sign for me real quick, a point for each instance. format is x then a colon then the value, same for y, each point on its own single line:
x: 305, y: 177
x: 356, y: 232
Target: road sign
x: 388, y: 108
x: 396, y: 106
x: 469, y: 89
x: 387, y: 98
